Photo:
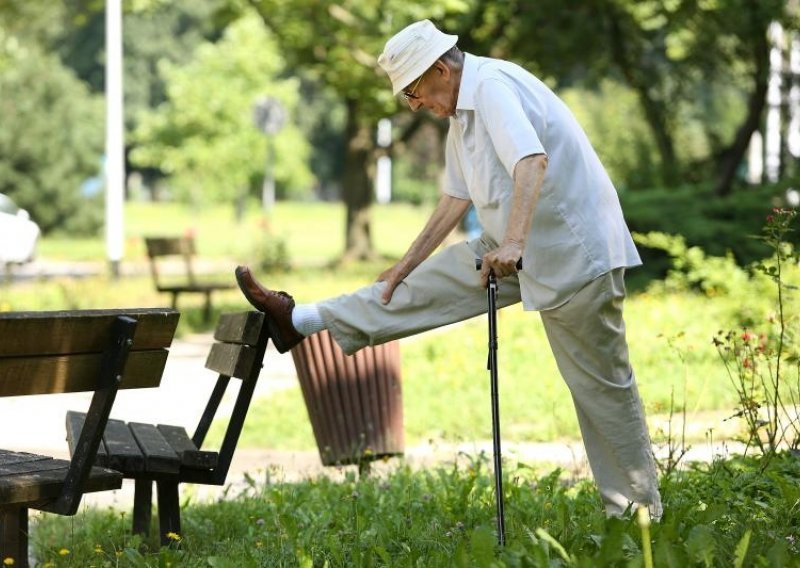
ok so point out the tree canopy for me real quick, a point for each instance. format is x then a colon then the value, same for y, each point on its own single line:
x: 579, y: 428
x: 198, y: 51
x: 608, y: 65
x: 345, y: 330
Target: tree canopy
x: 204, y: 135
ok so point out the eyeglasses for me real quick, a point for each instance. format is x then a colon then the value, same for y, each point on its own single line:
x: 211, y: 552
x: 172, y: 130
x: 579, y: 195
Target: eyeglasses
x: 409, y: 93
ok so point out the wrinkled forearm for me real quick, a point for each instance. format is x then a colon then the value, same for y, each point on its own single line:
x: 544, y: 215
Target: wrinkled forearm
x: 442, y: 221
x: 528, y: 179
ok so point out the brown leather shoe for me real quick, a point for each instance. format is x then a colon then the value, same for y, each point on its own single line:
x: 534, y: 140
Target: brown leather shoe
x: 277, y: 305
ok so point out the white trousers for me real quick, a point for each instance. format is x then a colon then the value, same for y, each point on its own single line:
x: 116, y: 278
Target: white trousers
x: 587, y: 338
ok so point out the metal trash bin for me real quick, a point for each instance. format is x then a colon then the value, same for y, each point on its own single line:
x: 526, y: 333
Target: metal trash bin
x: 354, y: 402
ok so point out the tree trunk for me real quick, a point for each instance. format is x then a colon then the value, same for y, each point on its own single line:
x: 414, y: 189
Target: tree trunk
x: 655, y: 111
x: 357, y: 186
x: 732, y: 156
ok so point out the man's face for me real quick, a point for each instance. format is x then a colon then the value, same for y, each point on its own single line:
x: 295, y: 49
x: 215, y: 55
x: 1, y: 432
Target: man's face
x: 433, y: 90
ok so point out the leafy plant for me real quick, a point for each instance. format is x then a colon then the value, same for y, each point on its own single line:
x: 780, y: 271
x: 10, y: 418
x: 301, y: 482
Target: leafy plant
x: 759, y: 361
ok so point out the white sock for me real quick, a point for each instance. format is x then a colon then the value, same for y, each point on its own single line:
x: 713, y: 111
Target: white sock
x: 306, y: 319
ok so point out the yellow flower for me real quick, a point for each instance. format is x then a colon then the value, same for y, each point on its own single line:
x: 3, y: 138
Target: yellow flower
x: 259, y: 544
x: 64, y: 551
x: 8, y: 561
x: 98, y: 549
x: 173, y: 536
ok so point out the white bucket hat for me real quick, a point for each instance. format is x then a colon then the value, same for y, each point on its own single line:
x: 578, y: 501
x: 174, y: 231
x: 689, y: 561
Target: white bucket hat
x: 411, y: 51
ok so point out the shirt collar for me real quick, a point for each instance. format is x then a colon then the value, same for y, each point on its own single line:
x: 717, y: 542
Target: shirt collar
x: 469, y: 81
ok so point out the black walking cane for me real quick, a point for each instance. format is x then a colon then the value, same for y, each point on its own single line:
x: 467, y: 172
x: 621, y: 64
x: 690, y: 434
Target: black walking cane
x: 491, y: 292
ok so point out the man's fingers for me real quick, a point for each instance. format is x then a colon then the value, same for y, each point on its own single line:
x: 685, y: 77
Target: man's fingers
x: 388, y: 292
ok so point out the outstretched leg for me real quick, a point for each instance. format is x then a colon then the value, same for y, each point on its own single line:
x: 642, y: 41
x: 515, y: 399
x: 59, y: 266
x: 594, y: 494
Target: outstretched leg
x: 443, y: 289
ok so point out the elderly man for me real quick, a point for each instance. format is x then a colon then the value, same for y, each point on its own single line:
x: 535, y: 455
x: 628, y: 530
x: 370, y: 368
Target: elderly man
x: 516, y: 152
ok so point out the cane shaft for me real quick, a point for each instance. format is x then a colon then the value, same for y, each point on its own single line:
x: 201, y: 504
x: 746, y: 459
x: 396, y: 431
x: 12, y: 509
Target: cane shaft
x: 498, y: 461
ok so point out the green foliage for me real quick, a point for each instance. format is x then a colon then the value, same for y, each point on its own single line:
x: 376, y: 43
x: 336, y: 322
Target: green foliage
x: 270, y: 254
x: 204, y: 136
x: 611, y: 117
x: 716, y: 225
x: 410, y: 187
x: 51, y: 139
x: 692, y: 269
x: 726, y: 513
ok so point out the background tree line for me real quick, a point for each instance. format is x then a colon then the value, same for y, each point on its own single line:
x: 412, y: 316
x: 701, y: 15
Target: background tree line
x: 670, y: 92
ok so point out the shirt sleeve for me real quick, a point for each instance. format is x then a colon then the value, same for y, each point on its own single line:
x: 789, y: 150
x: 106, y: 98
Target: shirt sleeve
x: 513, y: 136
x: 455, y: 184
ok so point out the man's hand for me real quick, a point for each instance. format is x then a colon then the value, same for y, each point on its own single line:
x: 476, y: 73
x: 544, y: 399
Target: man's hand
x: 502, y: 260
x: 392, y: 276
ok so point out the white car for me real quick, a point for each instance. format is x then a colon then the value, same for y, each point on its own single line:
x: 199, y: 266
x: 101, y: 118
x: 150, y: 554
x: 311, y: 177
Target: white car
x: 18, y: 234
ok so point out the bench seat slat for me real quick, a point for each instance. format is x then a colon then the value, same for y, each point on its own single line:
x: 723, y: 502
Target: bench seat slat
x: 182, y: 444
x: 195, y: 287
x: 75, y: 373
x: 121, y: 447
x: 231, y: 359
x: 75, y: 422
x: 159, y: 456
x: 84, y: 331
x: 8, y: 457
x: 44, y: 463
x: 28, y: 488
x: 26, y: 477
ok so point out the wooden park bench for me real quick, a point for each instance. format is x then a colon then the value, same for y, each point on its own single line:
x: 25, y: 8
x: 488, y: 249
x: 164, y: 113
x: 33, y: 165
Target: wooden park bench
x: 166, y: 454
x: 61, y: 352
x: 160, y: 250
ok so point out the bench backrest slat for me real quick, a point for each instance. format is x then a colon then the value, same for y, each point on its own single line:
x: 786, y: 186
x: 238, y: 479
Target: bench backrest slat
x: 234, y: 354
x: 54, y: 374
x: 83, y: 331
x: 60, y: 352
x: 160, y: 247
x: 231, y: 360
x: 168, y: 246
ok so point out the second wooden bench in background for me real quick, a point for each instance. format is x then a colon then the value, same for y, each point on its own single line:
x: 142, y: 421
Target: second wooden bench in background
x: 159, y: 250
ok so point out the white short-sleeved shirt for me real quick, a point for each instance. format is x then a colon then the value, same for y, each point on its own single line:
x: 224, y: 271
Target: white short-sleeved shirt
x: 504, y: 114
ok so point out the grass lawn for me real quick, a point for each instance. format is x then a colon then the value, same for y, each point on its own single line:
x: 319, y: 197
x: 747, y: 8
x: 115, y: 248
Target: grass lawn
x: 669, y: 333
x: 738, y: 512
x: 729, y: 514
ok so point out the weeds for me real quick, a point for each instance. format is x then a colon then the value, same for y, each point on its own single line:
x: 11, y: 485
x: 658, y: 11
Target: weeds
x: 728, y: 513
x: 759, y: 361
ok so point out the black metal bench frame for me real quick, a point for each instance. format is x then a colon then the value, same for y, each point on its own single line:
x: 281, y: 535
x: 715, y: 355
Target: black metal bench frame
x: 71, y: 351
x: 165, y: 454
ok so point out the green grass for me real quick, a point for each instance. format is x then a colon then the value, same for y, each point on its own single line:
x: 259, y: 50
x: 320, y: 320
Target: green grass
x: 729, y: 513
x: 313, y: 231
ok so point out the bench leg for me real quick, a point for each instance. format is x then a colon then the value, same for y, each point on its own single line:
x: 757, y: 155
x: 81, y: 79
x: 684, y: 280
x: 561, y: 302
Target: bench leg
x: 169, y: 511
x: 14, y: 535
x: 142, y: 506
x: 207, y: 308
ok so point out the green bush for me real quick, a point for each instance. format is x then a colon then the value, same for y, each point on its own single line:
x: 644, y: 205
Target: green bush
x: 717, y: 225
x: 51, y: 140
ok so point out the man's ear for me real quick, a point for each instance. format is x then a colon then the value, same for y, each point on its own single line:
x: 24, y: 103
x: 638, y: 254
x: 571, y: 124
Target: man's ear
x: 442, y: 68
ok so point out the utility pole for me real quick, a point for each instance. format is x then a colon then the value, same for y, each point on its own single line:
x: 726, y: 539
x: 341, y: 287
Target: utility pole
x: 115, y: 143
